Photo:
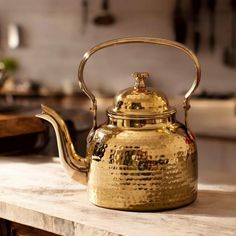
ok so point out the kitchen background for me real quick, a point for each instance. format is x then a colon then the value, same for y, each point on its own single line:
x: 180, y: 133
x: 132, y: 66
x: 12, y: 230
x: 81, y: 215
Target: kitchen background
x: 54, y: 38
x: 54, y: 34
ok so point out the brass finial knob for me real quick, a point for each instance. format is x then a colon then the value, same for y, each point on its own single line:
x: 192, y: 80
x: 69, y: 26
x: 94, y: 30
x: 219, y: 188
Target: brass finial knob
x: 140, y: 77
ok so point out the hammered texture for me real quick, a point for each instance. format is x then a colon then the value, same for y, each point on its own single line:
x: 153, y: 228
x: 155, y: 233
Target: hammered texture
x: 142, y: 170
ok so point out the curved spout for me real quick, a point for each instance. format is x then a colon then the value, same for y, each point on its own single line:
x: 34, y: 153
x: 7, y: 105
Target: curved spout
x: 75, y: 165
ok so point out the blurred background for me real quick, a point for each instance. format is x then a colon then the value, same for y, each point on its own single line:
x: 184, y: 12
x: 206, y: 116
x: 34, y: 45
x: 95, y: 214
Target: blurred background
x: 42, y: 43
x: 54, y: 34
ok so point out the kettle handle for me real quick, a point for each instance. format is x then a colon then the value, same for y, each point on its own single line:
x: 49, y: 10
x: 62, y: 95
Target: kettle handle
x: 149, y: 40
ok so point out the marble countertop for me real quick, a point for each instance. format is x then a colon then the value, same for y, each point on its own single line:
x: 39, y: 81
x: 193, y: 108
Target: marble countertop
x: 35, y: 191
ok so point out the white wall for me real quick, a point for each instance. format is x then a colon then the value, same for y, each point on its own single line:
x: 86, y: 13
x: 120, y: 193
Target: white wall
x: 54, y: 44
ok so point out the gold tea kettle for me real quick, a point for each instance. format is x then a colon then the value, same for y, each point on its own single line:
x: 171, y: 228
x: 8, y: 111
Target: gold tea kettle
x: 141, y: 158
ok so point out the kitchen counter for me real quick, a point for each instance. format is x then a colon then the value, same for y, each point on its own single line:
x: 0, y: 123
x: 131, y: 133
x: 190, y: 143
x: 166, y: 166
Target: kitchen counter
x: 213, y: 118
x: 35, y: 191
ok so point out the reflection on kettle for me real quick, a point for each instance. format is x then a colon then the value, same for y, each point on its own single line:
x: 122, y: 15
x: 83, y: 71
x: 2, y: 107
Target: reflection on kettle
x: 141, y: 158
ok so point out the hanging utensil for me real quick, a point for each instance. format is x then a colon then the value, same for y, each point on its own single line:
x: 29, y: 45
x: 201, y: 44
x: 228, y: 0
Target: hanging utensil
x: 229, y: 56
x: 105, y: 17
x: 211, y: 4
x: 84, y: 19
x: 196, y: 6
x: 14, y: 36
x: 180, y: 23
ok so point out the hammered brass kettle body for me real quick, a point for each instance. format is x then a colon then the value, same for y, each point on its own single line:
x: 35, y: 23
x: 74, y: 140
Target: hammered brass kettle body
x: 141, y: 158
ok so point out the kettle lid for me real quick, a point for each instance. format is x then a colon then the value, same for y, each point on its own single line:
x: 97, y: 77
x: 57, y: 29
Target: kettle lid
x: 141, y: 101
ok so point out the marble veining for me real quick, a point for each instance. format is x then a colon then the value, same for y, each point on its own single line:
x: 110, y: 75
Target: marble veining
x: 35, y: 191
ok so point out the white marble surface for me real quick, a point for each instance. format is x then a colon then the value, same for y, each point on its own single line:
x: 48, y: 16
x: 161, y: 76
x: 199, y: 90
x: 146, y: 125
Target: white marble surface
x: 36, y: 192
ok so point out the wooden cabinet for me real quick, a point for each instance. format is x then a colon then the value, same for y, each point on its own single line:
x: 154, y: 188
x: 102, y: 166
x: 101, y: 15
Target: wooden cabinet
x: 8, y: 228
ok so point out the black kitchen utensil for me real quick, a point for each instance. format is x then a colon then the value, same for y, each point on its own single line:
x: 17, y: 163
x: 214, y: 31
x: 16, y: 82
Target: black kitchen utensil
x: 180, y: 23
x: 229, y: 56
x: 211, y: 4
x: 196, y: 6
x: 84, y: 19
x: 105, y: 17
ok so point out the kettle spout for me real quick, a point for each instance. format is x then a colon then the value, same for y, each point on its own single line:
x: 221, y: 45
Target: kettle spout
x: 75, y: 165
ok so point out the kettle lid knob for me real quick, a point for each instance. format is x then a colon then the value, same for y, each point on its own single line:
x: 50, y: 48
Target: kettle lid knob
x: 140, y: 78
